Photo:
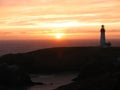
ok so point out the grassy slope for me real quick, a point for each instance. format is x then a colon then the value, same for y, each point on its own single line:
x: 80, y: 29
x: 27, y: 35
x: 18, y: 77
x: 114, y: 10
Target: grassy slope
x: 62, y: 58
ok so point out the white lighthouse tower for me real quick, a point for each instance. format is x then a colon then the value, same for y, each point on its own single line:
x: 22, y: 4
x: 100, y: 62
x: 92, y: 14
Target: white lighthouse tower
x: 102, y: 37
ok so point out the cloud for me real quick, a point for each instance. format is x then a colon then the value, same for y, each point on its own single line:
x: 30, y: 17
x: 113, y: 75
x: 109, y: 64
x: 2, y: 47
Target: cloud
x: 66, y: 15
x: 5, y: 32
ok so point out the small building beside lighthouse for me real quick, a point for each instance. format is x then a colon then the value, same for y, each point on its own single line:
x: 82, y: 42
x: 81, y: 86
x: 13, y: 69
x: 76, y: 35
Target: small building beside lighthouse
x: 103, y: 38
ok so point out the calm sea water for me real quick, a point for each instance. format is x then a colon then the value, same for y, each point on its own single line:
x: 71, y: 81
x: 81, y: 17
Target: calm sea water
x: 19, y: 46
x: 51, y: 81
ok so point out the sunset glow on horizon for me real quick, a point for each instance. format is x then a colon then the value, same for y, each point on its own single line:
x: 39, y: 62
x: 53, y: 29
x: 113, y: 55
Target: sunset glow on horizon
x: 59, y: 35
x: 42, y: 19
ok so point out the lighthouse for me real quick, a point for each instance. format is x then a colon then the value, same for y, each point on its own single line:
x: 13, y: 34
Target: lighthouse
x: 102, y: 37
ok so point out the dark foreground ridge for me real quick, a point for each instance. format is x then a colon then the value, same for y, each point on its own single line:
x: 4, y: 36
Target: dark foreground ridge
x: 99, y: 68
x: 61, y: 59
x: 14, y: 76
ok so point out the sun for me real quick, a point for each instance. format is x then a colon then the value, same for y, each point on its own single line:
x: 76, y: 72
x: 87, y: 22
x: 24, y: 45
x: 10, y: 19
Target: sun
x: 59, y: 35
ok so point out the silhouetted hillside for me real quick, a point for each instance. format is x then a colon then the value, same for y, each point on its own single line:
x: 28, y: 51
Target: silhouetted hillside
x: 100, y: 72
x: 62, y: 58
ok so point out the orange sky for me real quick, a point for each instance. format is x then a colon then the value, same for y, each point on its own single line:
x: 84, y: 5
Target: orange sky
x: 42, y: 19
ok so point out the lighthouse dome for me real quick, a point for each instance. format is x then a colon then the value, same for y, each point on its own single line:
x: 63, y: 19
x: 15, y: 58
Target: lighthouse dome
x: 102, y: 28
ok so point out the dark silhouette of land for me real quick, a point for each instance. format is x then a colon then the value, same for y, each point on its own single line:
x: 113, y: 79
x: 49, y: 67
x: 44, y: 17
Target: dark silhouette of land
x: 61, y: 59
x: 99, y: 68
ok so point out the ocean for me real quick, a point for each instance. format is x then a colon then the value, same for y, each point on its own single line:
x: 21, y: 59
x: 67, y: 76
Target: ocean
x: 21, y: 46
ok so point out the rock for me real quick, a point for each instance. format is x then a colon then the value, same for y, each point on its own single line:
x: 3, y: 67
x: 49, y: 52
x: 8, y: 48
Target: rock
x: 95, y: 77
x: 12, y: 75
x: 103, y: 82
x: 38, y: 83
